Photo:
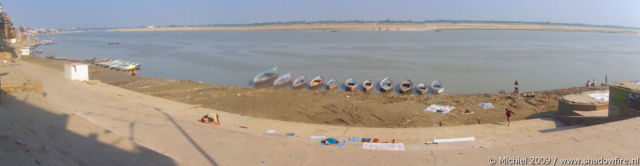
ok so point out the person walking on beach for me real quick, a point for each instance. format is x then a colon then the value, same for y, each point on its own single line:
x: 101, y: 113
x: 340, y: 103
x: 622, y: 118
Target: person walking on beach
x: 517, y: 89
x: 509, y: 113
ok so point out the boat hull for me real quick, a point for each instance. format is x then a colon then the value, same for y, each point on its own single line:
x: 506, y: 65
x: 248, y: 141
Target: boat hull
x: 386, y: 85
x: 405, y: 86
x: 367, y: 86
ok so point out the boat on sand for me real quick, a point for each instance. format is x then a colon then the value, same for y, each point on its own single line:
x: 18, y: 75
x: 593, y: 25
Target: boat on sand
x: 367, y: 85
x: 422, y: 88
x: 298, y: 82
x: 316, y: 82
x: 283, y: 80
x: 437, y: 87
x: 332, y: 83
x: 386, y: 84
x: 266, y: 75
x: 351, y: 85
x: 405, y: 86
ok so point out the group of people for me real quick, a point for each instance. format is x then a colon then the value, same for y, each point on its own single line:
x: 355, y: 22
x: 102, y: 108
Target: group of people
x: 590, y: 83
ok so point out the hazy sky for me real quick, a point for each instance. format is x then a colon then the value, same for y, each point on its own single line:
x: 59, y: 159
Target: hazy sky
x: 110, y: 13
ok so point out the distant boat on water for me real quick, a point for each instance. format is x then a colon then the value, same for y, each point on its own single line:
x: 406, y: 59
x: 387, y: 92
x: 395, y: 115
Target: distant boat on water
x: 351, y: 85
x: 422, y: 88
x: 405, y: 86
x: 437, y: 87
x: 386, y: 84
x: 331, y: 84
x: 266, y: 75
x: 316, y: 82
x: 298, y: 82
x: 283, y: 80
x: 367, y: 85
x: 113, y: 43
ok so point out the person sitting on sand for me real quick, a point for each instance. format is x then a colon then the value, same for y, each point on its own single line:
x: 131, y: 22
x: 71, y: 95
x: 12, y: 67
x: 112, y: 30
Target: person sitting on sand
x: 509, y: 113
x: 206, y: 119
x: 132, y: 72
x: 588, y: 84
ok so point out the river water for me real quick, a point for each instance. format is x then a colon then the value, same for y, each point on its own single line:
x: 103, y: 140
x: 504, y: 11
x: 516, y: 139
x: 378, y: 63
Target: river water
x: 466, y: 61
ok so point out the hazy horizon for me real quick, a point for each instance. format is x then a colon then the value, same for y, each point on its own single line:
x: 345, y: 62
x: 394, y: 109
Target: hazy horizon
x: 121, y: 13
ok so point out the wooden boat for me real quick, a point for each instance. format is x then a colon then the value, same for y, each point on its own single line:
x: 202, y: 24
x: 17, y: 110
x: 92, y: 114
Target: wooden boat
x: 113, y: 43
x: 266, y: 75
x: 351, y: 85
x: 332, y: 83
x: 386, y: 84
x: 437, y: 87
x: 405, y: 86
x: 422, y: 88
x: 298, y: 82
x: 283, y: 80
x: 316, y: 82
x: 367, y: 85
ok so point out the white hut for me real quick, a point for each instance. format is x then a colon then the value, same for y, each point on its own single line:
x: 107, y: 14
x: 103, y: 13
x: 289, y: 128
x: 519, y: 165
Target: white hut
x: 76, y: 71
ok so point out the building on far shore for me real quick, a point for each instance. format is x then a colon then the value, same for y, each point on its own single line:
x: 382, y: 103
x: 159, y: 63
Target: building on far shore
x: 624, y: 99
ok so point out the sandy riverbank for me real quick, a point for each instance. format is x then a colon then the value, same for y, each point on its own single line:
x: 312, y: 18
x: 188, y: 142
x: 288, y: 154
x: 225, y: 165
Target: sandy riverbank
x: 168, y: 128
x: 332, y: 107
x: 394, y: 27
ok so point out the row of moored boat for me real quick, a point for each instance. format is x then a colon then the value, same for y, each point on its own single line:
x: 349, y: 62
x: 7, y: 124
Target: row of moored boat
x: 385, y: 85
x: 119, y: 65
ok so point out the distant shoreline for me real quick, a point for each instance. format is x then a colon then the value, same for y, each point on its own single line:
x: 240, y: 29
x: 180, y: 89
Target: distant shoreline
x: 439, y: 26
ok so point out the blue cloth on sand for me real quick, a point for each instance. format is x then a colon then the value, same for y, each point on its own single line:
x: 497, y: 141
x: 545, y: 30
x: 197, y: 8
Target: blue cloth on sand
x: 342, y: 142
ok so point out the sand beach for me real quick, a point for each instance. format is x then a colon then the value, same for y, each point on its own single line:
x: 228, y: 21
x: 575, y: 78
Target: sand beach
x: 137, y: 127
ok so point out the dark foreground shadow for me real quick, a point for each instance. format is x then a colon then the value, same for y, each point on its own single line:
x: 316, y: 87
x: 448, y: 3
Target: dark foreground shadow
x: 184, y: 133
x: 49, y: 133
x: 550, y: 116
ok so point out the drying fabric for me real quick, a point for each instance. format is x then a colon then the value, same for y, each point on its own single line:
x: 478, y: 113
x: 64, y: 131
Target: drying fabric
x: 383, y: 146
x: 438, y: 108
x: 341, y: 144
x: 600, y: 96
x: 486, y: 105
x: 463, y: 139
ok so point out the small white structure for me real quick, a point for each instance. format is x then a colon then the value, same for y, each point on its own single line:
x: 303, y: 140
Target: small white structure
x: 76, y: 71
x: 13, y: 41
x: 26, y: 51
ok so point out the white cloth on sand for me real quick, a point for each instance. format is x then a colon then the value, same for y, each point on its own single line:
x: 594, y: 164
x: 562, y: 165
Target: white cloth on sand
x: 486, y: 105
x: 463, y: 139
x: 383, y: 146
x: 599, y: 96
x: 439, y: 108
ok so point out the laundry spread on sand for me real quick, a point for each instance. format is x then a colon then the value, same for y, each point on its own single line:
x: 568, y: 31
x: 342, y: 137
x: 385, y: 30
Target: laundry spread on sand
x: 354, y: 139
x: 486, y: 105
x: 463, y: 139
x: 316, y: 137
x: 341, y: 144
x: 438, y: 108
x: 365, y: 140
x: 383, y: 146
x: 600, y: 96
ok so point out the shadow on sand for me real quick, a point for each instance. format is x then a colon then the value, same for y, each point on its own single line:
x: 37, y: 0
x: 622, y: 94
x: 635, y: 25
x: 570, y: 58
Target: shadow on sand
x: 44, y: 132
